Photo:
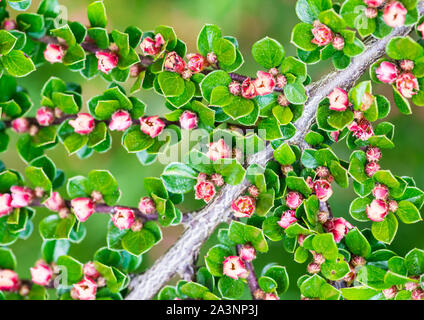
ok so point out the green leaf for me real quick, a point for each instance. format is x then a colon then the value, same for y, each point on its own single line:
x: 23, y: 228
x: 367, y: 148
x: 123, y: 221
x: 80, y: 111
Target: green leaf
x: 295, y: 93
x: 324, y: 244
x: 414, y: 261
x: 279, y: 275
x: 359, y: 293
x: 7, y: 42
x: 298, y: 184
x: 238, y: 107
x: 7, y: 259
x: 408, y: 213
x: 308, y: 10
x: 207, y: 36
x: 215, y: 258
x: 400, y: 48
x: 332, y: 20
x: 140, y: 242
x: 302, y: 36
x: 241, y: 233
x: 268, y: 52
x: 385, y: 230
x: 96, y: 13
x: 17, y: 64
x: 179, y: 178
x: 284, y: 154
x: 55, y: 228
x: 335, y: 270
x: 71, y: 269
x: 221, y: 96
x: 212, y: 80
x: 357, y: 243
x: 225, y: 51
x: 171, y: 83
x: 230, y: 288
x: 134, y: 140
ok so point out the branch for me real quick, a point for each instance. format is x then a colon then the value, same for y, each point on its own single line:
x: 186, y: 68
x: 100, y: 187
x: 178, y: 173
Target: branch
x: 252, y: 280
x: 198, y: 230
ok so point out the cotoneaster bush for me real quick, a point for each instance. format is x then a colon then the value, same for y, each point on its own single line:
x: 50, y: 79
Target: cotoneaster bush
x: 265, y: 160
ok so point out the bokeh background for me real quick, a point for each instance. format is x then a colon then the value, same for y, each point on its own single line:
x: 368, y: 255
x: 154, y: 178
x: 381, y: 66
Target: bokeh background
x: 248, y: 21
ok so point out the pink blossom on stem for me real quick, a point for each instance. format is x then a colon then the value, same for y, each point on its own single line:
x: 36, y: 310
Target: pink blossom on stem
x: 417, y: 294
x: 173, y: 62
x: 21, y: 196
x: 217, y: 179
x: 373, y: 154
x: 394, y: 14
x: 188, y: 120
x: 41, y: 274
x: 380, y: 192
x: 374, y: 3
x: 387, y: 72
x: 83, y: 208
x: 235, y: 88
x: 123, y: 218
x: 247, y: 253
x: 294, y: 199
x: 9, y: 280
x: 121, y: 121
x: 152, y: 126
x: 106, y: 61
x: 53, y: 53
x: 218, y: 150
x: 44, y: 116
x: 371, y: 168
x: 204, y: 190
x: 377, y: 210
x: 339, y: 227
x: 393, y: 206
x: 5, y: 204
x: 322, y: 189
x: 243, y: 206
x: 20, y: 125
x: 338, y: 42
x: 338, y: 99
x: 90, y: 271
x: 152, y: 47
x: 83, y: 124
x: 287, y: 218
x: 264, y: 83
x: 322, y: 34
x: 407, y: 84
x: 362, y: 129
x: 253, y: 191
x: 233, y: 267
x: 196, y: 62
x: 248, y: 89
x: 147, y: 205
x: 390, y: 293
x: 86, y: 289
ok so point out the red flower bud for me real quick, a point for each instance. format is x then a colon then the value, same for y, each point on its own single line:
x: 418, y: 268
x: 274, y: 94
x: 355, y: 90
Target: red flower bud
x: 338, y: 43
x: 390, y: 293
x: 358, y: 261
x: 9, y: 25
x: 318, y: 258
x: 233, y: 267
x: 407, y: 84
x: 377, y: 210
x: 271, y: 296
x: 313, y: 268
x: 218, y: 150
x: 21, y: 196
x: 323, y: 216
x: 380, y: 192
x: 217, y: 179
x: 44, y: 116
x: 211, y: 58
x: 338, y: 99
x: 9, y: 280
x: 322, y: 172
x: 121, y: 121
x: 281, y: 81
x: 374, y: 3
x: 235, y: 88
x: 393, y: 206
x: 196, y: 62
x: 146, y: 205
x: 83, y: 124
x: 373, y: 154
x: 287, y: 218
x: 322, y: 34
x: 394, y: 14
x: 253, y: 191
x: 371, y: 13
x: 189, y: 120
x: 248, y: 89
x: 90, y: 271
x: 54, y: 53
x: 323, y: 190
x: 417, y: 294
x: 264, y: 83
x: 86, y: 289
x: 243, y: 206
x: 5, y: 204
x: 339, y: 227
x: 152, y: 47
x: 41, y: 274
x: 152, y: 126
x: 204, y: 190
x: 106, y: 61
x: 283, y: 101
x: 247, y: 253
x: 362, y: 129
x: 387, y: 72
x: 173, y: 62
x: 123, y: 218
x: 20, y: 125
x: 371, y: 168
x: 294, y: 199
x: 83, y: 208
x: 407, y: 65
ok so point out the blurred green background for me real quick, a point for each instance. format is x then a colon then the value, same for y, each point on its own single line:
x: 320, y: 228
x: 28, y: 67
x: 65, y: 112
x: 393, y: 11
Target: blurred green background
x: 248, y: 21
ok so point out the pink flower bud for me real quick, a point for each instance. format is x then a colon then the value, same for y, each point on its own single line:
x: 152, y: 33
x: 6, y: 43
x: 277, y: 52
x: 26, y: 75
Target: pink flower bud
x: 83, y: 124
x: 121, y: 121
x: 20, y: 125
x: 21, y: 196
x: 283, y: 101
x: 390, y: 293
x: 97, y: 196
x: 338, y: 43
x: 202, y: 176
x: 313, y: 268
x: 367, y: 101
x: 248, y: 89
x: 287, y: 218
x: 350, y: 277
x: 358, y: 261
x: 218, y: 150
x: 393, y: 206
x: 371, y: 168
x: 9, y: 280
x: 407, y: 65
x: 322, y: 34
x: 338, y: 99
x: 90, y: 271
x: 285, y: 169
x: 377, y: 210
x: 417, y: 294
x: 137, y: 225
x: 394, y: 14
x: 407, y: 84
x: 300, y: 239
x: 173, y: 62
x: 33, y: 130
x: 420, y: 28
x: 294, y: 199
x: 322, y: 172
x: 83, y: 208
x: 271, y: 296
x: 374, y: 3
x: 264, y: 83
x: 243, y: 206
x: 211, y: 58
x: 281, y: 81
x: 235, y: 88
x: 233, y: 267
x: 86, y: 289
x: 318, y: 258
x: 362, y: 129
x: 123, y: 218
x: 135, y: 70
x: 204, y: 190
x: 54, y: 53
x: 253, y: 191
x: 339, y: 227
x: 387, y: 72
x: 411, y: 286
x: 380, y: 192
x: 152, y: 47
x: 41, y: 274
x: 5, y: 204
x: 217, y: 179
x: 247, y: 253
x: 152, y: 126
x: 273, y: 72
x: 106, y: 61
x: 371, y: 13
x: 44, y: 116
x: 196, y: 62
x: 189, y: 120
x: 323, y: 189
x: 147, y: 205
x: 9, y: 25
x: 373, y: 154
x: 335, y: 135
x: 323, y: 216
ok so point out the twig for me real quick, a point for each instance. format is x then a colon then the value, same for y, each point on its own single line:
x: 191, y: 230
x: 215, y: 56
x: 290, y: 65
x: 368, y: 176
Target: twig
x: 252, y: 280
